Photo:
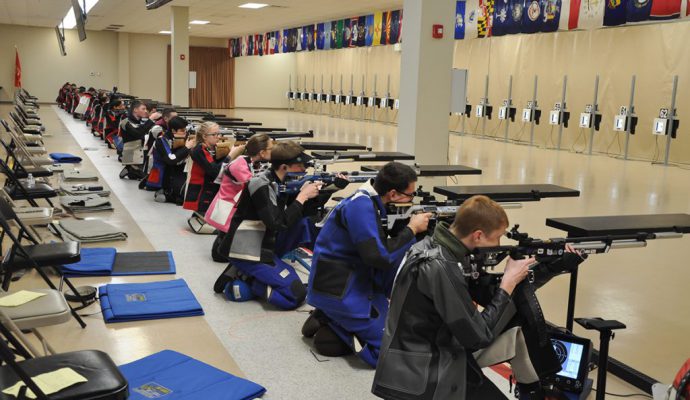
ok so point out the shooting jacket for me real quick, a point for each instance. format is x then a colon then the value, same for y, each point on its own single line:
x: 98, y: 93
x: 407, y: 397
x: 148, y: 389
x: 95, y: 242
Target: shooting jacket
x: 261, y: 213
x: 433, y: 327
x: 354, y: 257
x: 201, y: 188
x: 166, y: 161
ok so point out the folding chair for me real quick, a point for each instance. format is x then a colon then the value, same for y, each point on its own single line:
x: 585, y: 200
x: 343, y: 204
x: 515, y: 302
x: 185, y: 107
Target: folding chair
x: 47, y: 310
x: 38, y: 256
x: 18, y: 189
x: 34, y: 144
x: 30, y: 118
x: 18, y: 167
x: 23, y: 126
x: 30, y: 216
x: 104, y: 380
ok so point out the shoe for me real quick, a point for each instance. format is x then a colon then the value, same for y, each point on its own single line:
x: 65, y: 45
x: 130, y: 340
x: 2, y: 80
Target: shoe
x: 316, y: 320
x: 328, y: 344
x: 230, y: 274
x: 159, y: 196
x: 124, y: 173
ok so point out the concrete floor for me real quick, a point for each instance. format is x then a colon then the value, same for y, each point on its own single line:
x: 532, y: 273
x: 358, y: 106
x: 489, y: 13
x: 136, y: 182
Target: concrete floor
x: 643, y: 288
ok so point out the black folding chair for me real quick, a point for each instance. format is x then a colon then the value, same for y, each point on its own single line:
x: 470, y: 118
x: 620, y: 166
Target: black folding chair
x: 13, y: 162
x: 35, y: 255
x: 104, y: 379
x: 17, y: 190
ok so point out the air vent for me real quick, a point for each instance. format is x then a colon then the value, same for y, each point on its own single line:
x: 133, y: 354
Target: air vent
x: 113, y: 27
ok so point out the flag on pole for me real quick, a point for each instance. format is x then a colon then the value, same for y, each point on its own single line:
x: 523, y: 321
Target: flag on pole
x: 320, y: 38
x: 378, y: 27
x: 551, y: 15
x: 615, y: 12
x: 369, y: 39
x: 327, y: 35
x: 638, y: 10
x: 17, y: 69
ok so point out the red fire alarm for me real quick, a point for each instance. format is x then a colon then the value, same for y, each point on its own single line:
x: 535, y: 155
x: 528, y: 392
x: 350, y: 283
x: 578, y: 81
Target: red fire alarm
x: 437, y: 32
x: 182, y: 57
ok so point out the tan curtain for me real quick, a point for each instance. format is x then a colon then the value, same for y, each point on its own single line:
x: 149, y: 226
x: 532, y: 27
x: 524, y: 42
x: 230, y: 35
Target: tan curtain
x: 215, y: 77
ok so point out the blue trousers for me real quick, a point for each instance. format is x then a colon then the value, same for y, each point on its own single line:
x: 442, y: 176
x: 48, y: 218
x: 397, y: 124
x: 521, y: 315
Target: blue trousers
x: 302, y: 233
x: 363, y: 335
x: 279, y: 284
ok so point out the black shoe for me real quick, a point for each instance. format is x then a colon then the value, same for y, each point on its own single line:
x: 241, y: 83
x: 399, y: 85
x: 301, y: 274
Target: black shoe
x: 530, y: 391
x: 124, y: 173
x: 316, y: 320
x: 328, y: 344
x: 230, y: 274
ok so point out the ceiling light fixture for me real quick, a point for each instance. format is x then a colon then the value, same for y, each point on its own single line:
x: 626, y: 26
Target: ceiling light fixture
x: 253, y: 5
x: 199, y: 22
x: 165, y: 32
x: 69, y: 22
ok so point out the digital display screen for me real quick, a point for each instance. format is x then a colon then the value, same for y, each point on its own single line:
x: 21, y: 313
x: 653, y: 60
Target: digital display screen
x: 570, y: 356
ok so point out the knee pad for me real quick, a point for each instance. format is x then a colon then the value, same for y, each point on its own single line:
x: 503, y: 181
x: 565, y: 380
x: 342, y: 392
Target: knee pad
x: 238, y: 291
x: 299, y: 291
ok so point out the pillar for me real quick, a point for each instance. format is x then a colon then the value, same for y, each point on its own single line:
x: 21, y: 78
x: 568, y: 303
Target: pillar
x: 179, y: 54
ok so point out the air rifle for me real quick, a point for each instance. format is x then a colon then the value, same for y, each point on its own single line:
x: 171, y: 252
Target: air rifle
x: 294, y: 181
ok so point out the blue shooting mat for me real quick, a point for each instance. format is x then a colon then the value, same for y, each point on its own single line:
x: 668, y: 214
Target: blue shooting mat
x: 121, y: 302
x: 174, y: 376
x: 97, y: 261
x: 65, y: 158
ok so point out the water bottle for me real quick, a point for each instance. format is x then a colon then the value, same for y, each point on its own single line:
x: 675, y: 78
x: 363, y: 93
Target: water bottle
x: 31, y: 181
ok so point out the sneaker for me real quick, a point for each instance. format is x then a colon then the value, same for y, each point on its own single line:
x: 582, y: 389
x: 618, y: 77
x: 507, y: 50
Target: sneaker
x: 159, y: 196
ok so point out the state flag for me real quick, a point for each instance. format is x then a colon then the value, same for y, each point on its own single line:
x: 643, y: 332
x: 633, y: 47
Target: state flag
x: 259, y: 44
x: 551, y: 15
x: 347, y: 33
x: 340, y: 34
x: 386, y: 33
x: 586, y: 14
x: 17, y: 69
x: 310, y: 37
x: 532, y: 17
x: 471, y: 18
x: 250, y: 45
x: 485, y: 19
x: 300, y: 37
x: 378, y: 27
x: 615, y: 12
x: 354, y: 32
x: 665, y: 9
x: 504, y: 21
x: 369, y: 40
x: 327, y: 35
x: 362, y: 31
x: 395, y: 27
x: 638, y: 10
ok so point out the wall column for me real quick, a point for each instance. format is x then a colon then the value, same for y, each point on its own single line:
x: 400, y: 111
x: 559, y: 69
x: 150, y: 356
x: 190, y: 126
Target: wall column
x: 179, y: 53
x: 123, y: 62
x: 425, y: 80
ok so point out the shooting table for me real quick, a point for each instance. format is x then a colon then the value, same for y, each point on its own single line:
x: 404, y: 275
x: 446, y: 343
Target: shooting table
x: 519, y: 193
x: 433, y: 170
x: 216, y: 118
x: 237, y: 123
x: 362, y: 155
x: 333, y: 146
x: 617, y: 225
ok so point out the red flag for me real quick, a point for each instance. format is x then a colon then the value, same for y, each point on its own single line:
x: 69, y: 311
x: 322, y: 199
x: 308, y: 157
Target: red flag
x: 17, y: 69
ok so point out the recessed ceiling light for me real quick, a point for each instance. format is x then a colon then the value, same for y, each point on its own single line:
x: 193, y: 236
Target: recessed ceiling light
x: 198, y: 22
x: 253, y: 5
x: 165, y: 32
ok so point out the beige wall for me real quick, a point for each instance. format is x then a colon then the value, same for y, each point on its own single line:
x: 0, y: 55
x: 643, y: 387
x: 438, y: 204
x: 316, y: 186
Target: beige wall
x: 263, y: 81
x: 653, y: 52
x: 44, y: 70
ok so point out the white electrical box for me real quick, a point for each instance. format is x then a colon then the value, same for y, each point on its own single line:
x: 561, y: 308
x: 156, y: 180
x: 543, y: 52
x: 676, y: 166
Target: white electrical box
x: 348, y: 99
x: 526, y: 115
x: 359, y: 100
x: 503, y: 112
x: 396, y: 104
x: 619, y: 123
x: 660, y: 126
x: 585, y: 120
x: 383, y: 103
x: 372, y: 101
x: 479, y: 111
x: 287, y: 94
x: 337, y: 98
x: 555, y: 117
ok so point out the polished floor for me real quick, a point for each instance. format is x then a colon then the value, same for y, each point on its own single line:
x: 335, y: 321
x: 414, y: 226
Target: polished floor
x: 643, y: 288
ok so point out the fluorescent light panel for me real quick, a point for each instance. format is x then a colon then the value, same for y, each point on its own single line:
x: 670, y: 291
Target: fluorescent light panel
x: 199, y: 22
x: 165, y: 32
x: 69, y: 22
x: 253, y: 5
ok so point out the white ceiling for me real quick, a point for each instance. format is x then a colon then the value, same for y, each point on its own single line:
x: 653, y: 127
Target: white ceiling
x: 227, y: 20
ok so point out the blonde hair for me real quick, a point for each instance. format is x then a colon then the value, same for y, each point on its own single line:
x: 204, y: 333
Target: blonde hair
x: 479, y: 213
x: 204, y: 129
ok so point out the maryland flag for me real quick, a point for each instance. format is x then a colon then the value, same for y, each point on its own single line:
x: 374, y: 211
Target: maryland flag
x: 485, y: 18
x: 378, y: 27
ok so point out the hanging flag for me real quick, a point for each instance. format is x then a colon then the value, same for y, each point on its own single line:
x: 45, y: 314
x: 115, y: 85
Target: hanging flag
x: 532, y: 17
x: 340, y: 34
x: 362, y: 31
x: 460, y: 19
x: 638, y: 10
x: 395, y: 27
x: 17, y: 69
x: 243, y: 46
x: 354, y: 31
x: 586, y: 14
x: 614, y: 13
x: 250, y: 45
x: 300, y: 37
x: 277, y: 45
x: 400, y: 25
x: 320, y: 39
x: 347, y: 33
x: 485, y: 19
x: 665, y: 9
x: 385, y: 36
x: 471, y: 18
x: 284, y: 40
x: 687, y: 8
x: 231, y: 44
x: 551, y: 14
x: 378, y: 21
x: 309, y: 32
x: 507, y: 18
x: 369, y: 39
x: 259, y: 45
x: 293, y: 40
x: 327, y: 35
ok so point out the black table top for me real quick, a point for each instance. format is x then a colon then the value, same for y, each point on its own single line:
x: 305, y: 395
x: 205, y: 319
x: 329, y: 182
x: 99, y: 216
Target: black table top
x: 621, y: 224
x: 333, y: 146
x: 363, y: 155
x: 237, y: 123
x: 433, y: 170
x: 523, y: 192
